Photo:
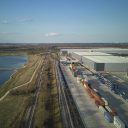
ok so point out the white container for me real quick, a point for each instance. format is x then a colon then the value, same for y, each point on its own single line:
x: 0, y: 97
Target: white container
x: 85, y: 85
x: 70, y: 66
x: 85, y: 79
x: 95, y: 90
x: 78, y: 79
x: 108, y: 108
x: 105, y: 101
x: 118, y: 122
x: 102, y: 109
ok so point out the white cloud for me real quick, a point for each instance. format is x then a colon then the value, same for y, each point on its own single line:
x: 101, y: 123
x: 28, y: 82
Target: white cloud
x: 4, y: 22
x: 9, y: 33
x: 25, y: 19
x: 4, y: 33
x: 18, y: 19
x: 51, y: 34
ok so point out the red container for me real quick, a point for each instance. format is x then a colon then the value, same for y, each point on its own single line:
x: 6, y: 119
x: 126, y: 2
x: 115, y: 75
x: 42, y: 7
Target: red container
x: 82, y: 81
x: 89, y: 93
x: 97, y: 98
x: 97, y: 103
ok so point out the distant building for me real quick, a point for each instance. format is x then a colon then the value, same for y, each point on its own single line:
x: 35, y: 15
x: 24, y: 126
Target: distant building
x: 99, y: 61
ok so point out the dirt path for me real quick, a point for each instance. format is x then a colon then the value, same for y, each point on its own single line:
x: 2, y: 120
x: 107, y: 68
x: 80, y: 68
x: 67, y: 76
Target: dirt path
x: 3, y: 97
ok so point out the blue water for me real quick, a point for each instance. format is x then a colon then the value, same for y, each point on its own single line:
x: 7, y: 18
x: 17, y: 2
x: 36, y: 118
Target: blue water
x: 8, y: 64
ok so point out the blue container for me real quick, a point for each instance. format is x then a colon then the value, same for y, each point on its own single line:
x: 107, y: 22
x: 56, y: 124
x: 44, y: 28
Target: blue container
x: 108, y: 117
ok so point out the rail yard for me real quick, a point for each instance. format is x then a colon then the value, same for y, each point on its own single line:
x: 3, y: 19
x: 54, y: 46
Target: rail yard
x: 72, y: 90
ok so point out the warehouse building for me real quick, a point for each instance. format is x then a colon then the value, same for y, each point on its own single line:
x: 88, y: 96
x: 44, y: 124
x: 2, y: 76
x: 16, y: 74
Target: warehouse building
x: 102, y: 61
x: 104, y: 50
x: 79, y: 55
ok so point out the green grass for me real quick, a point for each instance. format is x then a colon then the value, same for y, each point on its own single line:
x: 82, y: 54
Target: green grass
x: 12, y: 110
x: 12, y: 54
x: 14, y: 106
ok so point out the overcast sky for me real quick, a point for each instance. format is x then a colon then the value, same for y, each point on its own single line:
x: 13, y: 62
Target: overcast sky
x: 63, y: 21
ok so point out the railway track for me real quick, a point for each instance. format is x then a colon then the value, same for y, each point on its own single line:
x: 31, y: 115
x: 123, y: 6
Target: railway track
x: 29, y: 116
x: 70, y: 114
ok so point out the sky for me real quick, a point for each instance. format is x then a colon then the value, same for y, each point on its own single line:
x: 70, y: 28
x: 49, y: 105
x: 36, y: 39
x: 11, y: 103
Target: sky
x: 63, y: 21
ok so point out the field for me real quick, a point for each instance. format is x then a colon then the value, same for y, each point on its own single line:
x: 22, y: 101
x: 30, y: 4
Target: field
x: 14, y: 107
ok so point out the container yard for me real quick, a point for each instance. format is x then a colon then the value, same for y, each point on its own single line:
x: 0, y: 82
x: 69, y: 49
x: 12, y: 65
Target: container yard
x: 87, y: 108
x: 93, y: 91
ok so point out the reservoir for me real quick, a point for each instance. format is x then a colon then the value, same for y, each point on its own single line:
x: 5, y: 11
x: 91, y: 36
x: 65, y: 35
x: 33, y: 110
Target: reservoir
x: 8, y: 64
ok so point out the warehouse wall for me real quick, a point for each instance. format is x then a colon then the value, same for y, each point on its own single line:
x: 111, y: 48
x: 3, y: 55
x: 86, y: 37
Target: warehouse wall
x: 78, y: 57
x: 116, y: 67
x: 99, y: 66
x: 108, y: 67
x: 88, y: 63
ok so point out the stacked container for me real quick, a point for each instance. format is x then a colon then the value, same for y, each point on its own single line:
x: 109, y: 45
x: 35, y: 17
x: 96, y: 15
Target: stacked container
x: 118, y: 122
x: 78, y: 78
x: 108, y: 117
x: 105, y: 101
x: 111, y: 110
x: 102, y: 109
x: 110, y: 114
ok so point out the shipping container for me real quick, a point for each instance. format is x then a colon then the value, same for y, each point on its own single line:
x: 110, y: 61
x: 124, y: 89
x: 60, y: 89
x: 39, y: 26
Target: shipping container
x: 89, y: 93
x: 97, y: 96
x: 78, y: 79
x: 74, y: 69
x: 118, y: 122
x: 105, y: 101
x: 70, y: 66
x: 86, y: 85
x: 95, y: 90
x: 108, y: 117
x: 89, y: 85
x: 111, y: 110
x: 82, y: 81
x: 74, y: 74
x: 97, y: 103
x: 102, y: 109
x: 108, y: 108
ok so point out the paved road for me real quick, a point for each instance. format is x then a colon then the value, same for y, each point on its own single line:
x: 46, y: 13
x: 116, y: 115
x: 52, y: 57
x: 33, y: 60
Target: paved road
x: 70, y: 113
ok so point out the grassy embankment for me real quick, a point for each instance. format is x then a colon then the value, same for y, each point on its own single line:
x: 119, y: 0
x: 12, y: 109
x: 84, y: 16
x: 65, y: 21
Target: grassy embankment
x: 13, y: 107
x: 48, y: 113
x: 22, y: 76
x: 12, y: 53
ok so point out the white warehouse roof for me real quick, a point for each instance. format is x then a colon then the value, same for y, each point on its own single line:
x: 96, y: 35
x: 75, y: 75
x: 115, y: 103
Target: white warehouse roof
x: 107, y: 59
x: 105, y: 50
x: 92, y: 54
